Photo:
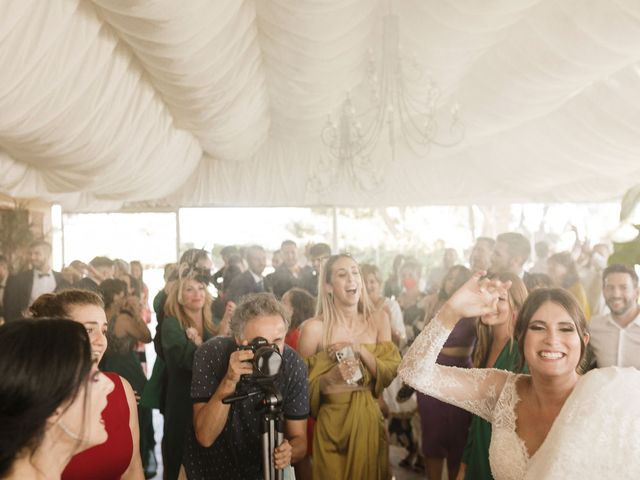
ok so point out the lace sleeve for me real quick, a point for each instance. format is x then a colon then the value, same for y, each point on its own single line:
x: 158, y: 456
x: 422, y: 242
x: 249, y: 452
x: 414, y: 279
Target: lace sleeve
x: 473, y: 389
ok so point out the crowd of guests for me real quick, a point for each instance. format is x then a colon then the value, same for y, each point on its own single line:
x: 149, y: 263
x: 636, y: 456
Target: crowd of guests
x: 341, y: 331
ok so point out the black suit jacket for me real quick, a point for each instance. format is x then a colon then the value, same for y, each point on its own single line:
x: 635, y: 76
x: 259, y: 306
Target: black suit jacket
x: 86, y: 283
x: 309, y: 280
x: 282, y: 280
x: 18, y: 291
x: 242, y: 285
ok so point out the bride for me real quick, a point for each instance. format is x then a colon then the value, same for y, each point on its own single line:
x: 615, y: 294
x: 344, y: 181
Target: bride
x: 553, y: 423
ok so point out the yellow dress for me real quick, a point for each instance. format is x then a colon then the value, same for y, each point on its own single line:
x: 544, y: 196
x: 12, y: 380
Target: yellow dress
x: 350, y: 441
x: 581, y: 296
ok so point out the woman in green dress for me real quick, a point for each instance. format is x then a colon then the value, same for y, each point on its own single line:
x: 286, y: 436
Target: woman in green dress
x: 351, y: 359
x: 186, y: 325
x: 496, y: 348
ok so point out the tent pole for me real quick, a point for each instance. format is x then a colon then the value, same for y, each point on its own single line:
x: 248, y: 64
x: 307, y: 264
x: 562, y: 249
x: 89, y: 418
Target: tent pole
x: 177, y: 222
x: 335, y: 229
x: 62, y: 235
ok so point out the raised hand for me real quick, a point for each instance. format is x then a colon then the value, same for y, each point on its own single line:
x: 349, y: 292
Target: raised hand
x: 476, y: 297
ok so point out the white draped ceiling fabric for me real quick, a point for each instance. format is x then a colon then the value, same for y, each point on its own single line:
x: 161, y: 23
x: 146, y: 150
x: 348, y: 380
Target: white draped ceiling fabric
x: 106, y: 104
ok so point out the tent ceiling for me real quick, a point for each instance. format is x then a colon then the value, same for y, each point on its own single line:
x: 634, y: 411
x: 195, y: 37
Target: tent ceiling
x: 112, y: 103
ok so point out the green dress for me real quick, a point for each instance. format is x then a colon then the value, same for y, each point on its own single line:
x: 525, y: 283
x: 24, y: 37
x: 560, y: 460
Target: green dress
x: 349, y: 439
x: 121, y: 358
x: 178, y: 414
x: 476, y: 451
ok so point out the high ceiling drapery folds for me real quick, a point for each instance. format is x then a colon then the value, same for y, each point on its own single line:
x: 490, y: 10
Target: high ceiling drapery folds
x: 108, y: 103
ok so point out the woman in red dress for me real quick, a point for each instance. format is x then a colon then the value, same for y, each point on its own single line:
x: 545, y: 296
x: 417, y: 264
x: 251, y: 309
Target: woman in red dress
x: 116, y: 458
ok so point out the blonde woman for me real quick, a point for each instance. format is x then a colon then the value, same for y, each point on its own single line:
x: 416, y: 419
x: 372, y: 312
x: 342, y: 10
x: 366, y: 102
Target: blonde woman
x: 186, y: 325
x: 351, y: 359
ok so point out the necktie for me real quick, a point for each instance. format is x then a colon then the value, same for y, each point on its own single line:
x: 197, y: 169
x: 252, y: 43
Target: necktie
x: 40, y: 275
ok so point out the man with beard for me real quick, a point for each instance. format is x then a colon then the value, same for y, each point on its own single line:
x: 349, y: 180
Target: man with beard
x: 510, y: 253
x: 615, y: 338
x: 24, y: 287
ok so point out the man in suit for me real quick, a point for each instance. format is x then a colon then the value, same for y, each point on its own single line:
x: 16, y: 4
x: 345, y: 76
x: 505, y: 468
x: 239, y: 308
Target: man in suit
x: 24, y: 287
x: 319, y: 253
x: 251, y: 280
x: 286, y: 275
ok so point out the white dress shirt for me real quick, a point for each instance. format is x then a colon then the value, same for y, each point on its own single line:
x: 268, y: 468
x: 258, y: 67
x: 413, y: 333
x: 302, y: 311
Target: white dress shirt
x: 43, y: 282
x: 614, y: 345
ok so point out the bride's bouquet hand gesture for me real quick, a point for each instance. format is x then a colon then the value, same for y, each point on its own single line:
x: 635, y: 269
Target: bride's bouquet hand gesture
x: 478, y: 296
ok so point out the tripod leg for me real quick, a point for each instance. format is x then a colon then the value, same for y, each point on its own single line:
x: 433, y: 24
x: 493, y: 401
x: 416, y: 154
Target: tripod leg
x: 279, y: 437
x: 266, y: 443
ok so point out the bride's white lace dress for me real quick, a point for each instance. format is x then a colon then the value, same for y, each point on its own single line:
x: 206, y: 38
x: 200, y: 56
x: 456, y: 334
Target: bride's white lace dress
x: 596, y: 435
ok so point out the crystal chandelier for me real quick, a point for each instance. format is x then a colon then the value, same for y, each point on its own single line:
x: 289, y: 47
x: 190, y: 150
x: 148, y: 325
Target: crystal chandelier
x: 405, y: 103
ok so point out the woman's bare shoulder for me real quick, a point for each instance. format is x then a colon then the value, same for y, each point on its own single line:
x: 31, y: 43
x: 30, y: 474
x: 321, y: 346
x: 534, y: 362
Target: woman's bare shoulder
x: 312, y: 326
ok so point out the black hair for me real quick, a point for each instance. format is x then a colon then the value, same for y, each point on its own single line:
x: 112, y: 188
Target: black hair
x: 99, y: 262
x: 43, y: 365
x: 619, y: 268
x: 303, y: 305
x: 109, y: 288
x: 565, y: 259
x: 319, y: 250
x: 517, y: 245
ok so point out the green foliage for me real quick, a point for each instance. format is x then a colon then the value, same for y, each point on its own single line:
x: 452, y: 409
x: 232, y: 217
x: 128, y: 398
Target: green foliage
x: 627, y: 253
x: 15, y: 232
x: 629, y: 202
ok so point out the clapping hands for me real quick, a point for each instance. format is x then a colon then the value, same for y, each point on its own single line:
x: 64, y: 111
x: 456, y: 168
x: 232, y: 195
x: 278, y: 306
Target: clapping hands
x: 194, y: 336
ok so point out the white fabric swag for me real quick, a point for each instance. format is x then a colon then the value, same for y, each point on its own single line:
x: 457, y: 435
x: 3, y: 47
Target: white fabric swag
x: 106, y: 103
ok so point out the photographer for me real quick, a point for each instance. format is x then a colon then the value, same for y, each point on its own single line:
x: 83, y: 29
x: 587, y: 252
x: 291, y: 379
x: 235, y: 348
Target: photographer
x: 225, y: 442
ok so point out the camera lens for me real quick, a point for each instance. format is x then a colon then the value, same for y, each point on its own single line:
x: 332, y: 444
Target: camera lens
x: 268, y: 361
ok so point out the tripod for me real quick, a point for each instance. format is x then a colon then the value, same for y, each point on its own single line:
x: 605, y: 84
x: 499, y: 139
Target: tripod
x: 271, y: 425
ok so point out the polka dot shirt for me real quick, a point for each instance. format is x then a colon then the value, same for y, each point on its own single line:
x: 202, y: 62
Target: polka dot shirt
x: 236, y: 452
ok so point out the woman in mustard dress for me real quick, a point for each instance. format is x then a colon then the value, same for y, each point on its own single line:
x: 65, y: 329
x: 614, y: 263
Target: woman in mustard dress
x: 351, y: 359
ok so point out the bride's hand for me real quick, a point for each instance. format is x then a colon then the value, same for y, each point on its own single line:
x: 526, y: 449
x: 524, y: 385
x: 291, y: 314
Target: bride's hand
x: 476, y: 297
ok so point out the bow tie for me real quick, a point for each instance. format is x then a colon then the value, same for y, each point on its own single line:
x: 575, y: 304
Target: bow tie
x: 40, y: 275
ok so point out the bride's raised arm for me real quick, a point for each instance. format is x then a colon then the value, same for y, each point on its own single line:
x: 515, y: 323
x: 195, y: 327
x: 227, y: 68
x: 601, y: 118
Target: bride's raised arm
x: 473, y: 389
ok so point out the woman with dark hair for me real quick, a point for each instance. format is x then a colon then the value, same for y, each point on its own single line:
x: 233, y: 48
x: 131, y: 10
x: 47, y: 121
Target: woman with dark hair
x: 125, y: 329
x: 351, y: 360
x: 552, y: 423
x: 445, y: 427
x: 116, y: 458
x: 137, y: 272
x: 301, y: 306
x: 51, y: 397
x: 564, y: 274
x: 187, y: 324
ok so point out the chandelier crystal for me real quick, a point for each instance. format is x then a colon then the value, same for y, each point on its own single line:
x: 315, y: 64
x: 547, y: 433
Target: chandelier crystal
x: 405, y: 105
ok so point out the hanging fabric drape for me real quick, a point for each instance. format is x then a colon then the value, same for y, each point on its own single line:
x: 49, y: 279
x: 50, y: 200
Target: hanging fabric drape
x: 112, y: 103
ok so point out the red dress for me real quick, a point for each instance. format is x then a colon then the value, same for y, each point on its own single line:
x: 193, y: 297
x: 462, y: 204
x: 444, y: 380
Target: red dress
x: 109, y: 460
